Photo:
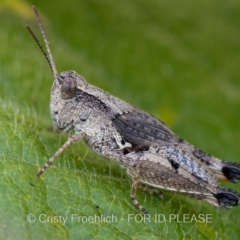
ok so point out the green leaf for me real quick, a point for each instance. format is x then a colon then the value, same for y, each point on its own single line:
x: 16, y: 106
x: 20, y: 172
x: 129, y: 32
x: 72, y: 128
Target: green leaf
x: 177, y: 60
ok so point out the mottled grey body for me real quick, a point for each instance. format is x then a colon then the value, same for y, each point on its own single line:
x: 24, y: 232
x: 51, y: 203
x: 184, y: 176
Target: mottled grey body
x: 152, y: 154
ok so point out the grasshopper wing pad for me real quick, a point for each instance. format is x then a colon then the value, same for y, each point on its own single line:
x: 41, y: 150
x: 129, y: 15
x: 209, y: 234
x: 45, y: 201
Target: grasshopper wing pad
x: 142, y: 129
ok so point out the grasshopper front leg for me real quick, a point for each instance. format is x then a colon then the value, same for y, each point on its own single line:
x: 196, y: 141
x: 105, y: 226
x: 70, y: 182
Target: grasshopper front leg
x: 74, y: 138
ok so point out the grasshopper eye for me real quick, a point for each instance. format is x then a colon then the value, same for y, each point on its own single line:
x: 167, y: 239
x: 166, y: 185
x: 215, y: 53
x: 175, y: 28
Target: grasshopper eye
x: 69, y: 88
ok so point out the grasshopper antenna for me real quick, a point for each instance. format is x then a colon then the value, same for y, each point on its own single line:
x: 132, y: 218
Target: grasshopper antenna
x: 48, y: 54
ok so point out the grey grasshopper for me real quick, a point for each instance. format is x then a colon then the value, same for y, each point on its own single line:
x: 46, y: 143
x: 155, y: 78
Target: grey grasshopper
x: 154, y: 157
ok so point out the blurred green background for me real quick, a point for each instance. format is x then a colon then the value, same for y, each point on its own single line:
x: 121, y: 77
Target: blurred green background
x: 178, y: 60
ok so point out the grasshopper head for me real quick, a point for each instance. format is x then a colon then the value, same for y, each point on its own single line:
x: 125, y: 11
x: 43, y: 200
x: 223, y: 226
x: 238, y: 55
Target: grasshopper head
x: 65, y: 98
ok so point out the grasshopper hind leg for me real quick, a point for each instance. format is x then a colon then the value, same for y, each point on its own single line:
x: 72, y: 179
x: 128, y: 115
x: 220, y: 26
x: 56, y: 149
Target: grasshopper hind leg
x: 222, y: 197
x: 151, y: 190
x: 227, y: 197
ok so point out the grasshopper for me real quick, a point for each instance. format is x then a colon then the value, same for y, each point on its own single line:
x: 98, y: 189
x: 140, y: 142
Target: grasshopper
x: 154, y: 157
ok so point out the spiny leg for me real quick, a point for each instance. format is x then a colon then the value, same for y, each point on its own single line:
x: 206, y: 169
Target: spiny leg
x: 70, y: 140
x: 134, y: 192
